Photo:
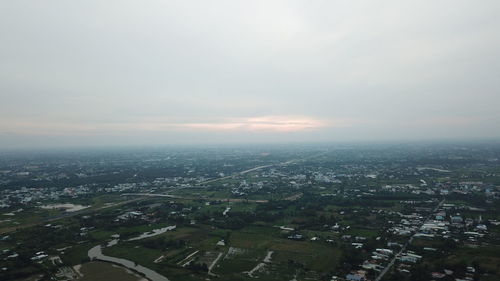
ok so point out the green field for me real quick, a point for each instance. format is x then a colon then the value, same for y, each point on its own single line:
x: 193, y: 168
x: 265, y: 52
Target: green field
x: 102, y: 271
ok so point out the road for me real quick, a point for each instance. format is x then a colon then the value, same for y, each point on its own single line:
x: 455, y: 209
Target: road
x: 213, y: 265
x: 86, y: 211
x: 290, y: 198
x: 65, y: 215
x: 393, y: 260
x: 259, y: 168
x: 242, y: 173
x: 198, y: 198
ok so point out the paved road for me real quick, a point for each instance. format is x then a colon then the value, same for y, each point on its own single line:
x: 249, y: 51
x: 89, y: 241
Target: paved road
x: 199, y: 198
x: 62, y: 216
x: 391, y: 263
x: 243, y: 172
x: 65, y: 215
x: 259, y: 168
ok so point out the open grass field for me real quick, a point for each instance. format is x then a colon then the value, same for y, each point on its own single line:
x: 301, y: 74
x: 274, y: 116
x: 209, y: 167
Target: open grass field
x: 24, y: 218
x: 76, y: 254
x: 146, y: 257
x: 141, y: 255
x: 254, y: 242
x: 365, y: 232
x: 315, y: 256
x: 486, y: 257
x: 102, y: 271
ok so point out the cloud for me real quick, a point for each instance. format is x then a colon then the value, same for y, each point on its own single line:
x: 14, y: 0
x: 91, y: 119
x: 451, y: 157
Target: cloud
x: 264, y: 123
x: 248, y: 70
x: 268, y: 124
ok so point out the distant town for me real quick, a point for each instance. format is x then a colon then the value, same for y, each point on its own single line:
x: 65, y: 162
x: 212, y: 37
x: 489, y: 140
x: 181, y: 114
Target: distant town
x: 297, y: 212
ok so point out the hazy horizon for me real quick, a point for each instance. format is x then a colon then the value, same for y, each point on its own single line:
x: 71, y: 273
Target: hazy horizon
x: 125, y: 73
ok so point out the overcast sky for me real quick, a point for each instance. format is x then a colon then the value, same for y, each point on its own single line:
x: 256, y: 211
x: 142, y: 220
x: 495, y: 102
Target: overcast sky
x: 168, y: 72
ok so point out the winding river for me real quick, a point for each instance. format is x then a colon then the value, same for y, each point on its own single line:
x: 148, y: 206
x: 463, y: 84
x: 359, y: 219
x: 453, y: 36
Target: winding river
x: 96, y: 253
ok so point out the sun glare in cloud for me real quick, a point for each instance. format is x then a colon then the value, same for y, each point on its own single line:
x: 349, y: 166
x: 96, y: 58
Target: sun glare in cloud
x: 250, y: 124
x: 263, y: 123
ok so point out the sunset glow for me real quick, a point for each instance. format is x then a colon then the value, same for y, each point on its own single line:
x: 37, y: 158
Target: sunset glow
x: 265, y: 123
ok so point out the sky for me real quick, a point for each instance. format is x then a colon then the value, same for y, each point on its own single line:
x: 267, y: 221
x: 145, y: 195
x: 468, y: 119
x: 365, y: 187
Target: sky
x: 92, y: 73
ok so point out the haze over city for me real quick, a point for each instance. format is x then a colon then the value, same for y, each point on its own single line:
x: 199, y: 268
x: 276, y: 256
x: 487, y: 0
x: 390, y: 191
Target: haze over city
x: 194, y: 72
x: 268, y: 140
